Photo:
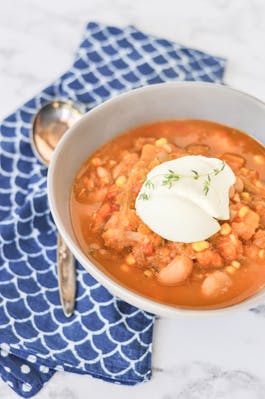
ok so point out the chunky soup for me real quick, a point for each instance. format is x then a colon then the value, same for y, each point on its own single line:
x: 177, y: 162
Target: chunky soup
x: 219, y: 271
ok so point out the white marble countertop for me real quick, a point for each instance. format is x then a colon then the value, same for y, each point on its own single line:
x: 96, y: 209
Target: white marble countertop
x: 220, y: 357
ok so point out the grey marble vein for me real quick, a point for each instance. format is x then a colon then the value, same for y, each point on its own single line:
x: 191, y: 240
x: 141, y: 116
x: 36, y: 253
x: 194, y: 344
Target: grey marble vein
x: 236, y: 384
x: 259, y: 310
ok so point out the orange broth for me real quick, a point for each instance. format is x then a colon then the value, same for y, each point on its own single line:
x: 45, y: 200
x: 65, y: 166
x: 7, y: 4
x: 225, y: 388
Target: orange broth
x: 95, y: 198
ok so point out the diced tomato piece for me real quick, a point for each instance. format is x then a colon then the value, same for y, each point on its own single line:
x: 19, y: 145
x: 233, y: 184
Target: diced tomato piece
x: 149, y: 250
x: 114, y: 207
x: 111, y: 195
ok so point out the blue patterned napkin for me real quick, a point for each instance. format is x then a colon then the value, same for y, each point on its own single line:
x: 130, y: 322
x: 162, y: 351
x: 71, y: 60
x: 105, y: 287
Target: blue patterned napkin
x: 106, y: 337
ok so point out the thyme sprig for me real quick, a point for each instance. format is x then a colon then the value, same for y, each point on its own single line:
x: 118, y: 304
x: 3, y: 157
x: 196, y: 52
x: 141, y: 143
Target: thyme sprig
x: 144, y: 197
x: 172, y: 177
x: 149, y: 184
x: 195, y: 174
x: 217, y: 171
x: 206, y: 185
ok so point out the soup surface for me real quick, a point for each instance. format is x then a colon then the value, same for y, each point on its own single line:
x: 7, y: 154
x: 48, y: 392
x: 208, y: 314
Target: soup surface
x: 220, y: 271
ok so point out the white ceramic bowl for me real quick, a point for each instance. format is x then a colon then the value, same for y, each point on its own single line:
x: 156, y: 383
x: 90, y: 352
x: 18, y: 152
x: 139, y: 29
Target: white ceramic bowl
x: 152, y: 103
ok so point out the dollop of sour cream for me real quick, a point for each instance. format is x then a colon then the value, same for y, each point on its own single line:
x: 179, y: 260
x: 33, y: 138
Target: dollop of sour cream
x: 182, y: 200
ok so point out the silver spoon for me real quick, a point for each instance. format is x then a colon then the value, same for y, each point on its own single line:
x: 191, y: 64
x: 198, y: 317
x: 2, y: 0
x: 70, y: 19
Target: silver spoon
x: 48, y: 126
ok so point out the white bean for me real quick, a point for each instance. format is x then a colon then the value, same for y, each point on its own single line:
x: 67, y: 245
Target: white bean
x: 177, y: 271
x: 215, y: 284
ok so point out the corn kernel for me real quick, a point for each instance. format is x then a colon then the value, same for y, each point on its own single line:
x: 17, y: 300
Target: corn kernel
x: 261, y: 253
x: 245, y: 195
x: 125, y: 268
x: 120, y: 181
x: 225, y: 229
x: 200, y: 246
x: 130, y: 260
x: 243, y: 211
x: 235, y: 264
x: 259, y: 159
x: 96, y: 161
x: 148, y: 273
x: 230, y: 269
x: 161, y: 142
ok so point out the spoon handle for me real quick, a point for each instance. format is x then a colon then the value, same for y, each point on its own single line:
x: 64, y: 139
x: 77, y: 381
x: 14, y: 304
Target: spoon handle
x: 66, y: 277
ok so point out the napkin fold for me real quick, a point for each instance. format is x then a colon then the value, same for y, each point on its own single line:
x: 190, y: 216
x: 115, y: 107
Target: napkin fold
x: 106, y: 338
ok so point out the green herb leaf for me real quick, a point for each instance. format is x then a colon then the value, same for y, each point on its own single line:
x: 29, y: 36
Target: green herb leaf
x: 196, y: 174
x: 206, y: 186
x: 170, y: 178
x: 144, y: 197
x: 217, y: 171
x: 149, y: 184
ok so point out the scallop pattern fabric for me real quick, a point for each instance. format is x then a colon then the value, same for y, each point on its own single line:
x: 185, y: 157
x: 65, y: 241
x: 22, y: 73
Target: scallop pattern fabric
x: 106, y: 338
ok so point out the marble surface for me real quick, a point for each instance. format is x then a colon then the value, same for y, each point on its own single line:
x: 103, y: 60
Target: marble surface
x: 209, y: 358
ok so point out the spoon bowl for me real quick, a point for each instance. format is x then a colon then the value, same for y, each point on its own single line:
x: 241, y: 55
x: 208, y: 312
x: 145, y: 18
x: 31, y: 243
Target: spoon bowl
x: 49, y: 124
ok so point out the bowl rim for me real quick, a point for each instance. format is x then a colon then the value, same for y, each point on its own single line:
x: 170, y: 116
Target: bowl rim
x: 117, y: 289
